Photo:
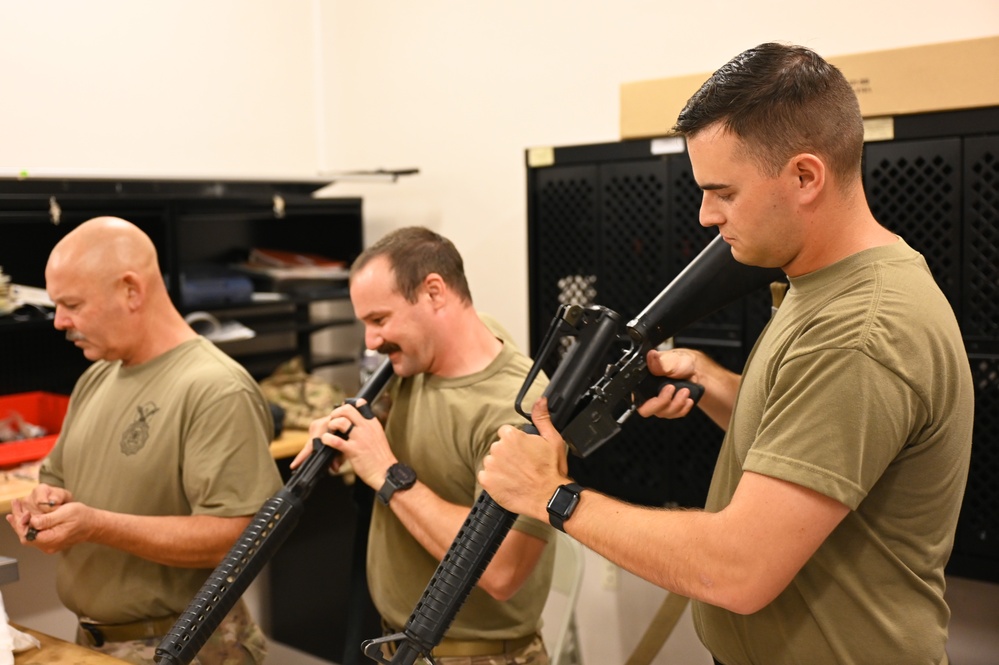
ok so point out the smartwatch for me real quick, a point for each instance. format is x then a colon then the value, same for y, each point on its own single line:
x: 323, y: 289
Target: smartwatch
x: 399, y: 477
x: 562, y: 504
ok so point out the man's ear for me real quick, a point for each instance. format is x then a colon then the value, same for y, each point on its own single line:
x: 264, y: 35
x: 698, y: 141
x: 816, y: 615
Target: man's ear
x: 811, y: 173
x: 134, y: 290
x: 435, y: 288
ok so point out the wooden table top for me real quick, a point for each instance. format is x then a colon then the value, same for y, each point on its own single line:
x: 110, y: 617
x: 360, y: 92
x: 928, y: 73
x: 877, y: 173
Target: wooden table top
x: 58, y: 652
x: 13, y: 486
x: 289, y: 444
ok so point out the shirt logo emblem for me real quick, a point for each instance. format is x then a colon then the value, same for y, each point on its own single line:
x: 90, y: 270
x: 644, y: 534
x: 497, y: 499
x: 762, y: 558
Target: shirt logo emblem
x: 137, y: 434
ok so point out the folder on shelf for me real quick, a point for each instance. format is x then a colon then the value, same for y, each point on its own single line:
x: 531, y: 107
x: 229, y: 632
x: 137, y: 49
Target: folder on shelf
x: 282, y: 270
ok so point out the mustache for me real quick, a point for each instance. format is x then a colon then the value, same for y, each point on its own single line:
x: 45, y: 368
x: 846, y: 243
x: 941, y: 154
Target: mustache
x: 75, y: 336
x: 387, y: 348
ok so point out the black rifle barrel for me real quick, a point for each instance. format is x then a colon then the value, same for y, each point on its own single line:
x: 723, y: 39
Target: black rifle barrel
x: 712, y: 280
x: 262, y: 537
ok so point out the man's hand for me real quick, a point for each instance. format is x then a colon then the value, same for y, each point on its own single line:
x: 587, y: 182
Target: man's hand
x: 365, y: 445
x: 670, y: 402
x: 720, y: 386
x: 50, y: 520
x: 522, y: 471
x: 42, y: 500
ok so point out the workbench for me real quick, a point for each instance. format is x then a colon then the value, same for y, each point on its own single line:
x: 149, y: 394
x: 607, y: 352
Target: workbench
x: 58, y: 652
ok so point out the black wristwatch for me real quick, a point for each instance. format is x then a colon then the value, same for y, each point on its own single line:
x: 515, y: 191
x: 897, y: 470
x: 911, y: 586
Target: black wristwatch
x: 399, y: 477
x: 563, y: 503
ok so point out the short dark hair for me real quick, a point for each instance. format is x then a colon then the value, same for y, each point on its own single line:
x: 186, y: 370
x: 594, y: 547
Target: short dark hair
x: 781, y: 101
x: 414, y: 252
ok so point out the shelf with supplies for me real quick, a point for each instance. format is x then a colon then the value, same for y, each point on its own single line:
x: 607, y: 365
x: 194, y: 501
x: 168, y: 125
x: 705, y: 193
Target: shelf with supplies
x: 265, y: 333
x: 203, y: 231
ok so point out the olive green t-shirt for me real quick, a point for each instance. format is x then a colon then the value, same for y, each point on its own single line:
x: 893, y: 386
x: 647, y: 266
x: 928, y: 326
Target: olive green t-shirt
x: 442, y: 428
x: 860, y: 389
x: 186, y: 433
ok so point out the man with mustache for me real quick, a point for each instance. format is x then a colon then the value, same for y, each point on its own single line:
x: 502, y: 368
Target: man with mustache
x: 162, y: 461
x: 456, y: 383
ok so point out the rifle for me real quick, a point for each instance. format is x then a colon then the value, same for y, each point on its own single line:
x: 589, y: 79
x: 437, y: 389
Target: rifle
x: 259, y: 541
x: 589, y: 400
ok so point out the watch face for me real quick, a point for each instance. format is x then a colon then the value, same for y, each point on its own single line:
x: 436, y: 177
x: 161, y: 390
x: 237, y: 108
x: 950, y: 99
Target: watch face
x: 563, y: 501
x: 403, y: 475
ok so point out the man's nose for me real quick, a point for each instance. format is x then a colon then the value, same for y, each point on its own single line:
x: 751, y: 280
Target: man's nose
x: 60, y: 320
x: 709, y: 214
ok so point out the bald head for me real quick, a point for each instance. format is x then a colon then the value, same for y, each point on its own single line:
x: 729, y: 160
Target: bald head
x: 103, y: 248
x: 110, y: 298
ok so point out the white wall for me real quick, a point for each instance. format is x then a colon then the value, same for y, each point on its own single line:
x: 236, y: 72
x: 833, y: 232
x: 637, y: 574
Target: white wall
x: 456, y: 89
x: 461, y: 89
x: 179, y: 88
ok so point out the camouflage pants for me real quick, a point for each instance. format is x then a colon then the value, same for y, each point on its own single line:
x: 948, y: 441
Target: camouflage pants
x: 532, y: 654
x: 237, y: 641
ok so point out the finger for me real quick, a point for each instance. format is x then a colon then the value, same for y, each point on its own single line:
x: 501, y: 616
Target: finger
x: 345, y: 419
x: 654, y: 361
x: 55, y: 496
x: 38, y: 522
x: 542, y: 420
x: 338, y: 433
x: 318, y: 425
x: 302, y: 455
x: 678, y: 406
x: 687, y: 403
x: 348, y: 411
x: 492, y: 464
x: 658, y: 402
x: 664, y: 363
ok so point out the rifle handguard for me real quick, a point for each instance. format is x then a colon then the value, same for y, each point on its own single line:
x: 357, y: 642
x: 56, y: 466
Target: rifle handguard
x: 266, y: 532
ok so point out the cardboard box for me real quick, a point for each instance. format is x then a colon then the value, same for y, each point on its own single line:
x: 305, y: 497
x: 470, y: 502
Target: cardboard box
x: 44, y: 409
x: 650, y: 108
x: 916, y: 79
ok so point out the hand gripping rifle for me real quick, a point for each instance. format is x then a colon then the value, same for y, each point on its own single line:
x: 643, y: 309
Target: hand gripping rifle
x: 260, y: 540
x: 589, y: 398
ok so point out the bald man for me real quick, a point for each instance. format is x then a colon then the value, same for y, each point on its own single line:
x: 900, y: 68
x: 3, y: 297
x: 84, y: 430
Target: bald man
x: 162, y: 461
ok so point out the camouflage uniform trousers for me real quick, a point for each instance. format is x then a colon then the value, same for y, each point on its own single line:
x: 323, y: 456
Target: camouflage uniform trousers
x: 532, y: 654
x: 237, y: 641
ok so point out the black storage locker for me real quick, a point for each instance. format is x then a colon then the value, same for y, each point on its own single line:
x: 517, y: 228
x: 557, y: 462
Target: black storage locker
x: 613, y: 231
x: 613, y: 223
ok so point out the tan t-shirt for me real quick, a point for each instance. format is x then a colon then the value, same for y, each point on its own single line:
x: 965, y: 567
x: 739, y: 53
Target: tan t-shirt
x: 859, y: 389
x: 442, y: 428
x: 186, y: 433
